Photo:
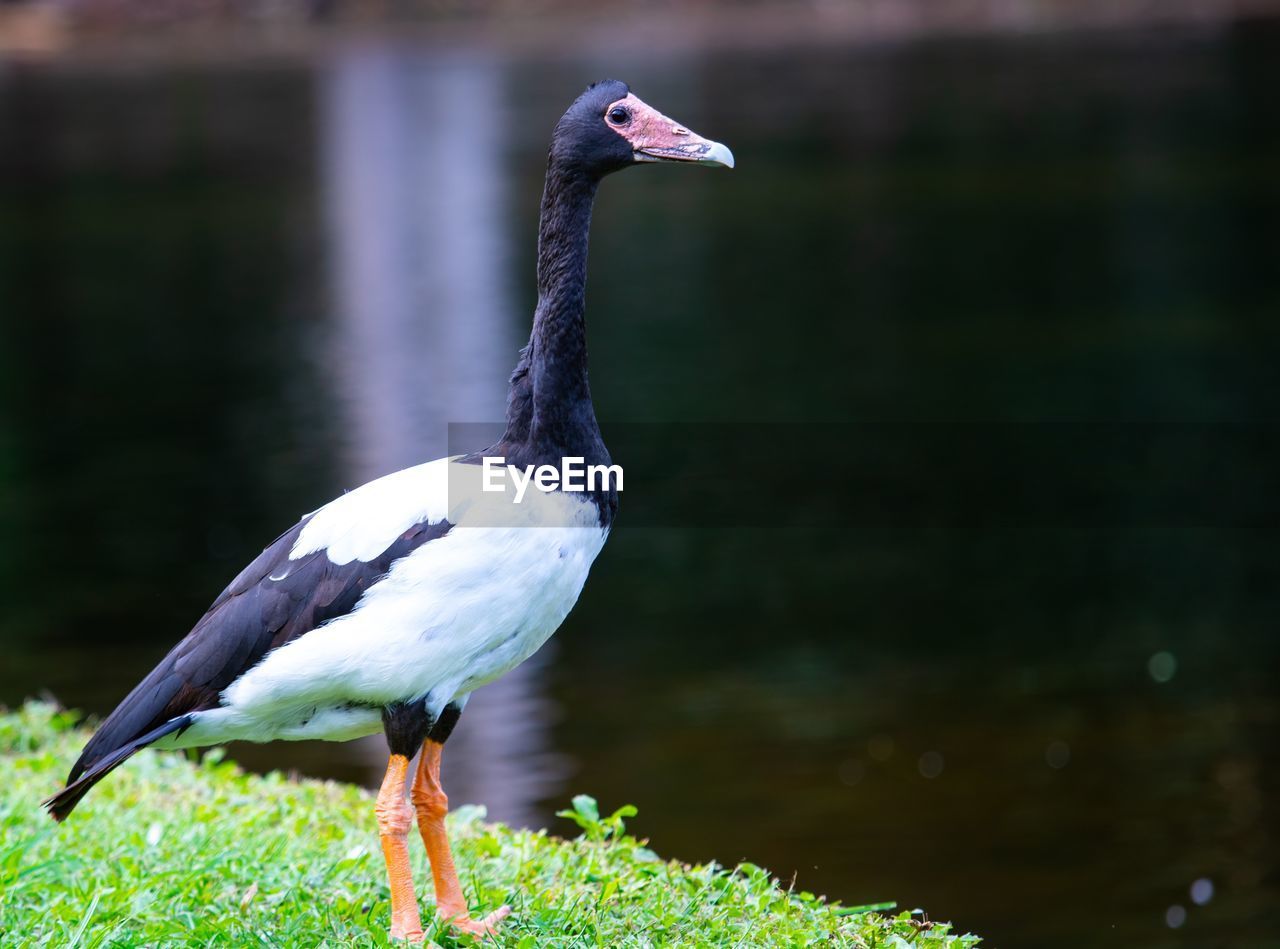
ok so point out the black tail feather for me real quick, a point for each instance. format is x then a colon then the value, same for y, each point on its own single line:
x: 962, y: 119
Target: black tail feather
x: 64, y: 802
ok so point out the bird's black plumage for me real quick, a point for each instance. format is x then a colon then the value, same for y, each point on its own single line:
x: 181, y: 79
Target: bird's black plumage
x: 408, y: 724
x: 273, y: 601
x: 550, y: 414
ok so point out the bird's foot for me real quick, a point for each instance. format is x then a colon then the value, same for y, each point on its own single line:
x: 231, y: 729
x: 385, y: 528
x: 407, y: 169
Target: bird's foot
x: 480, y: 927
x: 413, y: 934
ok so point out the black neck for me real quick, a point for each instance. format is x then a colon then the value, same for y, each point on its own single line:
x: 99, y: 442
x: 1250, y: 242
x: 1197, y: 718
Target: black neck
x: 549, y: 410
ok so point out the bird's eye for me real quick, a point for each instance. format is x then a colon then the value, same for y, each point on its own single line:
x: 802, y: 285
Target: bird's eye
x: 619, y: 116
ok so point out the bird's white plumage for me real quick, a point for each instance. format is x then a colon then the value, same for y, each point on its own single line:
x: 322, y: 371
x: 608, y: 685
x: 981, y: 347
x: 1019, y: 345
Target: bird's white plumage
x: 363, y: 523
x: 457, y: 612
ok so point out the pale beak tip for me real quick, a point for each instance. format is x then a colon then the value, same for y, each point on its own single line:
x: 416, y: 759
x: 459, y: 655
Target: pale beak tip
x: 718, y: 155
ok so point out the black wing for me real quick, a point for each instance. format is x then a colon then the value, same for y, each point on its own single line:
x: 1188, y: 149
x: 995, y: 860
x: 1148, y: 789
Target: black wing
x: 273, y: 601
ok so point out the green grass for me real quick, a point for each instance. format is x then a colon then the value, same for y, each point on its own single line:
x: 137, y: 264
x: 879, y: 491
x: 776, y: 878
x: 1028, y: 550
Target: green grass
x: 168, y: 852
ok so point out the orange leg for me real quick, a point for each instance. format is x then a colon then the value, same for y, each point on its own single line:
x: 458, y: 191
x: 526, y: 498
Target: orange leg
x: 432, y: 805
x: 395, y: 816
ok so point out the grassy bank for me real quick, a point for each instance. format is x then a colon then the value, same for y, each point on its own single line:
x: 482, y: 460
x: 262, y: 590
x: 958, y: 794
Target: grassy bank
x: 167, y: 852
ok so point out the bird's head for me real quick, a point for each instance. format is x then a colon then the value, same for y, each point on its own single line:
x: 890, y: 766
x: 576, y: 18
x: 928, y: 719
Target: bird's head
x: 607, y: 128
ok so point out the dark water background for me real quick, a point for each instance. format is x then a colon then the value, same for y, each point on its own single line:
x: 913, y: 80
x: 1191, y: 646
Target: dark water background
x: 228, y: 293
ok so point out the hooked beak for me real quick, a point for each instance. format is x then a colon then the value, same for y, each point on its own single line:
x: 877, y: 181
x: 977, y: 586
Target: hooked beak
x: 654, y: 137
x: 699, y: 150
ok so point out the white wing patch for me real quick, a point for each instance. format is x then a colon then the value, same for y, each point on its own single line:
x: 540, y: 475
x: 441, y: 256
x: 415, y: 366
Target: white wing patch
x: 363, y: 523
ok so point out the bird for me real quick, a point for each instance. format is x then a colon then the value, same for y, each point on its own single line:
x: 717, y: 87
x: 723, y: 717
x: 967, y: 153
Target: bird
x: 386, y: 608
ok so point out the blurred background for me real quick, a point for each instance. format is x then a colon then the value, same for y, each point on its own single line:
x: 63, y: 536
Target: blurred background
x: 253, y: 254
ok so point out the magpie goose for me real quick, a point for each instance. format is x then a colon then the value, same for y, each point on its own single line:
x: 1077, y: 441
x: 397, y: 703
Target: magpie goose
x: 387, y: 607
